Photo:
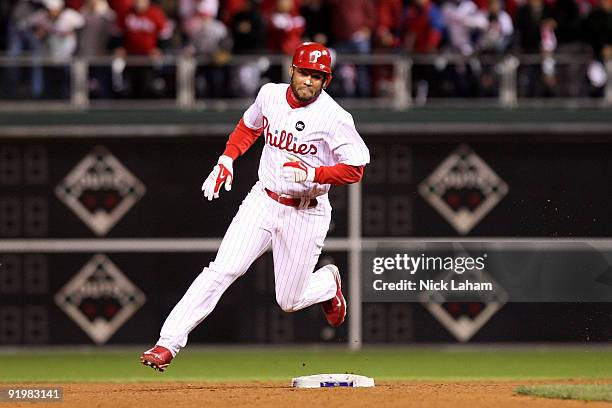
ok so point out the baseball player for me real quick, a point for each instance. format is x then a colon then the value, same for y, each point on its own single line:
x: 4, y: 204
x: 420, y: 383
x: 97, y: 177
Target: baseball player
x: 310, y: 144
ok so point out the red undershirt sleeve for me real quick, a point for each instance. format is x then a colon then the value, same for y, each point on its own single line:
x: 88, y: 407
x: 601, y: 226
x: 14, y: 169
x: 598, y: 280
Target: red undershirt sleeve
x: 339, y: 174
x: 240, y: 140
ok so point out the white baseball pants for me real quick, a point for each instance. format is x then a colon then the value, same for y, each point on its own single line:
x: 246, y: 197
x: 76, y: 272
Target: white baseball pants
x: 296, y: 236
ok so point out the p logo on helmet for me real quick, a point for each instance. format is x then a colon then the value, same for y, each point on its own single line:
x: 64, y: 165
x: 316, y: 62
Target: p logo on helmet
x: 315, y: 55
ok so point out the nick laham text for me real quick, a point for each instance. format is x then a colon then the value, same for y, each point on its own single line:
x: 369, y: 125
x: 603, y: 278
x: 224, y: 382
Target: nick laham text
x: 430, y: 284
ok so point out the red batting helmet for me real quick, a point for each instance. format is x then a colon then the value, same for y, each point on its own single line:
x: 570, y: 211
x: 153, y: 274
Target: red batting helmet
x: 312, y: 55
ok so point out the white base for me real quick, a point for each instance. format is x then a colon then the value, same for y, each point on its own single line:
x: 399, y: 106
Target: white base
x: 332, y: 380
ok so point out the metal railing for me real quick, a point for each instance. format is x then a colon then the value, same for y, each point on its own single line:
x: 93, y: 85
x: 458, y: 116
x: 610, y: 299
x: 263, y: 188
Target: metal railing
x: 399, y: 96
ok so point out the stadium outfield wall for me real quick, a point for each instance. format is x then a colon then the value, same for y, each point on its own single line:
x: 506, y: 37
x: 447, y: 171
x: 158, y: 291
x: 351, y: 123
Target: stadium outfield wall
x: 103, y: 226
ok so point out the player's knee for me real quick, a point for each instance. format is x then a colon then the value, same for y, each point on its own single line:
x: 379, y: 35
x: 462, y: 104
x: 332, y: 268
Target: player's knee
x: 288, y: 309
x: 287, y: 305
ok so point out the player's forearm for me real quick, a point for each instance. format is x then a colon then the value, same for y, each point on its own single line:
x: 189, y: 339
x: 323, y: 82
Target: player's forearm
x: 240, y: 140
x: 339, y: 174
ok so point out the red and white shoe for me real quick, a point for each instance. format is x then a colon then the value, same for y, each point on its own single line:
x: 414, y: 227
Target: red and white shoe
x: 335, y: 308
x: 157, y: 357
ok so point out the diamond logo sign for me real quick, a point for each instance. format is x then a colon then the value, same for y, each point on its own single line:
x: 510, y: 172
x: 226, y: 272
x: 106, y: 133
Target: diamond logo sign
x: 100, y: 298
x: 463, y: 314
x: 463, y: 189
x: 100, y: 190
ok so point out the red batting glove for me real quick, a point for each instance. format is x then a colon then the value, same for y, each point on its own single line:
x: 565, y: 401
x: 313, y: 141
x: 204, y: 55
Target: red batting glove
x: 296, y: 171
x: 222, y: 173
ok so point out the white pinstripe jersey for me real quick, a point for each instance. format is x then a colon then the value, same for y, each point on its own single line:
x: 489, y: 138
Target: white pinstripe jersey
x: 320, y: 134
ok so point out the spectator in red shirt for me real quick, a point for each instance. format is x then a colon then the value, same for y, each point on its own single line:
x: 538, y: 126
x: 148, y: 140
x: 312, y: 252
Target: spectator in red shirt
x: 422, y: 34
x: 285, y: 28
x: 353, y: 34
x: 386, y: 38
x: 423, y: 27
x: 357, y: 20
x: 389, y: 23
x: 142, y: 27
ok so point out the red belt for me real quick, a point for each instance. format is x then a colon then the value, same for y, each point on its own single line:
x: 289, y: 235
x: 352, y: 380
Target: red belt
x: 291, y: 202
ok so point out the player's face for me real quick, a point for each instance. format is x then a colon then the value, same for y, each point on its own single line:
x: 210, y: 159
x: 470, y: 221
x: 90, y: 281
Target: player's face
x: 306, y: 83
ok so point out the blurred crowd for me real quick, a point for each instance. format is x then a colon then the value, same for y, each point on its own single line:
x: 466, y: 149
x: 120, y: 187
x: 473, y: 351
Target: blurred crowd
x: 217, y: 29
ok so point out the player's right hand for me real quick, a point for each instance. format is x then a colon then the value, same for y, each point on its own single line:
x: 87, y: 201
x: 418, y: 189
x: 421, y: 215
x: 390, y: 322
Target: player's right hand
x: 222, y: 173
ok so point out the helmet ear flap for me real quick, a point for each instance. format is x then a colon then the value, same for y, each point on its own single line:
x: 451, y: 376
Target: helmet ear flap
x: 328, y: 78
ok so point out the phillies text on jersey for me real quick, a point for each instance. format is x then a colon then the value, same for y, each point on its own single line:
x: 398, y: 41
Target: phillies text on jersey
x: 320, y: 134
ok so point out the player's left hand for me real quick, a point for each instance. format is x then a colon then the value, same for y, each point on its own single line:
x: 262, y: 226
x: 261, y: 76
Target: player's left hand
x: 222, y: 174
x: 296, y: 171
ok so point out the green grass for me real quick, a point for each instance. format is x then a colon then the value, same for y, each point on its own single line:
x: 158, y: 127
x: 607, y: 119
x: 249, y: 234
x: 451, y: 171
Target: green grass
x: 585, y: 392
x: 282, y: 364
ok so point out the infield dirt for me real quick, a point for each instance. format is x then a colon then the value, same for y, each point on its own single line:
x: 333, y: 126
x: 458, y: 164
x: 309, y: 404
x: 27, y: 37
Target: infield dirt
x: 497, y: 394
